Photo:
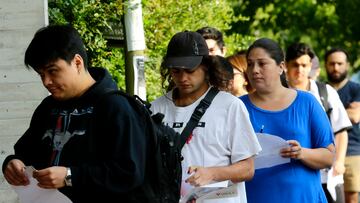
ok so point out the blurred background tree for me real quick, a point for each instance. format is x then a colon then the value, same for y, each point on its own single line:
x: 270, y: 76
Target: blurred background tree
x: 92, y: 18
x: 321, y: 23
x: 162, y: 19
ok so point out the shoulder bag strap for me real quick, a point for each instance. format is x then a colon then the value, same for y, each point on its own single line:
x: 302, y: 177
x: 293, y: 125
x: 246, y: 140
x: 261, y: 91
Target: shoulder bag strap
x: 323, y: 94
x: 197, y: 114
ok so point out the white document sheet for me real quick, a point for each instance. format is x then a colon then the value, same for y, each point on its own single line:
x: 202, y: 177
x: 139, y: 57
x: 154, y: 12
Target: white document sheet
x: 270, y: 154
x: 221, y: 193
x: 211, y: 191
x: 34, y: 194
x: 332, y: 182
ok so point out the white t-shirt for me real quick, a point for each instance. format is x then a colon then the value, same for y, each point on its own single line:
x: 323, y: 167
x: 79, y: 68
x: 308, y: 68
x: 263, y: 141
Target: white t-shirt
x: 339, y: 118
x: 223, y: 136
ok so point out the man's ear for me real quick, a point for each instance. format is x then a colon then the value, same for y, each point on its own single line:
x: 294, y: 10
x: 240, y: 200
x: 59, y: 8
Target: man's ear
x: 79, y: 62
x: 283, y: 66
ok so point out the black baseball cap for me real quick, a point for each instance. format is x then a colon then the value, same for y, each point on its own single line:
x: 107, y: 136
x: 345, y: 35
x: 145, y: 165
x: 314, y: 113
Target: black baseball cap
x: 185, y: 50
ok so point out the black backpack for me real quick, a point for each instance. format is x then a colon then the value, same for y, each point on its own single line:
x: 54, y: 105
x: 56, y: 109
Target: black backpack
x: 163, y: 173
x: 324, y: 98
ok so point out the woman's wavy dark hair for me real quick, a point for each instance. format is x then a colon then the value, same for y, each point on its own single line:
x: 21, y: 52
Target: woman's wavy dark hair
x: 217, y: 74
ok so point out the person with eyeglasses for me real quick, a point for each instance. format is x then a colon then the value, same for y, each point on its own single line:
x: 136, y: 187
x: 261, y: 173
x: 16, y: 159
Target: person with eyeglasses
x: 241, y: 85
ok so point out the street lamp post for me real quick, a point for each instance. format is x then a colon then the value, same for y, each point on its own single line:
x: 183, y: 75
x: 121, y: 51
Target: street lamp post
x: 135, y: 46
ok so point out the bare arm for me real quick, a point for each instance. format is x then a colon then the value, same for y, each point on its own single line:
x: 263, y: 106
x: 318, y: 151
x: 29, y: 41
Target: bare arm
x: 317, y: 158
x: 341, y: 142
x: 353, y: 112
x: 237, y: 172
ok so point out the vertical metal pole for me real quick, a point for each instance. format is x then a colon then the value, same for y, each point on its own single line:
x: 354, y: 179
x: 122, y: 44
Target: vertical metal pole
x: 135, y: 45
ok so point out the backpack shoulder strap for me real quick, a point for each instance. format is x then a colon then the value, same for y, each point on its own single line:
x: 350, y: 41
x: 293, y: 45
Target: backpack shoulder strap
x: 101, y: 101
x: 138, y: 105
x: 197, y: 114
x: 324, y: 97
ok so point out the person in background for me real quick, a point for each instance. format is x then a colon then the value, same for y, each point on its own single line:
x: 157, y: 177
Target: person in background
x: 241, y: 84
x: 337, y: 67
x: 216, y: 45
x: 299, y: 57
x: 222, y: 146
x: 294, y: 116
x: 91, y: 149
x: 214, y: 40
x: 315, y: 68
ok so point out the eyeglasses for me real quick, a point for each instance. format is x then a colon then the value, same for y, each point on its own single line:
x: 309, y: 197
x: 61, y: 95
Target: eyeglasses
x: 236, y: 72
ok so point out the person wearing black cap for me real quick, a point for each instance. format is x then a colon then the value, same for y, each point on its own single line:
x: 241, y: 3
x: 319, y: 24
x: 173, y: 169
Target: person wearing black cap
x: 223, y: 144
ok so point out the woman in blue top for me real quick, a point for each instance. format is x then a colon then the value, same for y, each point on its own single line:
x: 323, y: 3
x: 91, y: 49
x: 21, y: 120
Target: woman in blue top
x: 293, y: 115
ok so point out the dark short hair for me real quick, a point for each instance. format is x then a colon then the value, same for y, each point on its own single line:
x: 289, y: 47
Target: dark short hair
x: 271, y: 47
x: 52, y: 43
x: 214, y: 34
x: 336, y: 49
x: 296, y: 50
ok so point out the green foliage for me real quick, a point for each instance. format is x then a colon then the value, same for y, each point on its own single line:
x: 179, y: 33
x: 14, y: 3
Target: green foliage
x: 162, y: 19
x: 91, y: 18
x: 320, y: 23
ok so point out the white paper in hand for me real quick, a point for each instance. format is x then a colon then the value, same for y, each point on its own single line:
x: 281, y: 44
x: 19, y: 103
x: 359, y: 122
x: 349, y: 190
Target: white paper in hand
x: 270, y: 154
x: 332, y: 182
x: 34, y: 194
x: 214, y: 190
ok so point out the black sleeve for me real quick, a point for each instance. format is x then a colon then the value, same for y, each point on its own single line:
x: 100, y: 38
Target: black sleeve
x: 30, y: 147
x: 118, y: 144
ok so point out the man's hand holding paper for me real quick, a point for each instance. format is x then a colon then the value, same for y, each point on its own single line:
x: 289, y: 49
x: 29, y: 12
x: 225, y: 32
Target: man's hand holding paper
x: 15, y: 173
x: 32, y: 193
x: 199, y: 176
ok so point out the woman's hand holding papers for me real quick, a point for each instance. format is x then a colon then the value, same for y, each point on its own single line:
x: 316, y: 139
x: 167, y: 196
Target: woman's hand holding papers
x: 317, y: 158
x: 293, y: 151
